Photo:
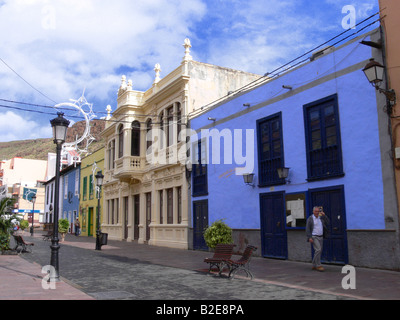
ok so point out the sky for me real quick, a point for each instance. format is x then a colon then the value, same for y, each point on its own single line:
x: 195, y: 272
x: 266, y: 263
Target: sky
x: 54, y: 51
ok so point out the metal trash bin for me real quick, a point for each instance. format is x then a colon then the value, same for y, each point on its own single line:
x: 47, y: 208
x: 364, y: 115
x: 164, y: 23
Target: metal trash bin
x: 103, y: 238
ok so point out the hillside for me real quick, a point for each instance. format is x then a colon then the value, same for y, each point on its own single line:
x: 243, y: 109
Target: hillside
x: 39, y: 148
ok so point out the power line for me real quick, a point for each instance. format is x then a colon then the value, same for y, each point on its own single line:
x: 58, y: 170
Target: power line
x: 8, y: 66
x: 273, y: 74
x: 249, y: 86
x: 80, y: 118
x: 65, y: 108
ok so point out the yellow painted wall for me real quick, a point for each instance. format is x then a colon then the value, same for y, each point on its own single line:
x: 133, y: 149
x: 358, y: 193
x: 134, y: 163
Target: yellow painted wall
x: 88, y: 200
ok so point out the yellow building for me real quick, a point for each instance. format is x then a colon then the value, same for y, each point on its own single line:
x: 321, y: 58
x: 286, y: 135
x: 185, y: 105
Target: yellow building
x: 146, y: 199
x: 88, y: 206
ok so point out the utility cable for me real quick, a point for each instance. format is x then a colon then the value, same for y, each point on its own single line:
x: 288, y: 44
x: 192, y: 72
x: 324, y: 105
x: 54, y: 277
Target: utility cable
x: 273, y: 74
x: 19, y: 76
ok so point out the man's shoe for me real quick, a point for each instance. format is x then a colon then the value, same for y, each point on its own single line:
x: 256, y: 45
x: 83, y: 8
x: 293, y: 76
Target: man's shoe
x: 320, y: 269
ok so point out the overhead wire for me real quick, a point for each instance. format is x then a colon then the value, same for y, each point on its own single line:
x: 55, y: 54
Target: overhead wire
x: 79, y: 117
x: 304, y: 60
x: 273, y: 74
x: 64, y: 108
x: 267, y: 77
x: 19, y: 76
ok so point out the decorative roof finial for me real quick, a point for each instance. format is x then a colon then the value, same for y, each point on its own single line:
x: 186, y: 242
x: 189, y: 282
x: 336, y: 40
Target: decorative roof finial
x: 109, y: 109
x: 187, y: 46
x: 123, y: 82
x: 157, y: 69
x: 122, y: 88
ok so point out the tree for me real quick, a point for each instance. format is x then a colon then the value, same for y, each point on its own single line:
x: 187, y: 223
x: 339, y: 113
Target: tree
x: 7, y: 221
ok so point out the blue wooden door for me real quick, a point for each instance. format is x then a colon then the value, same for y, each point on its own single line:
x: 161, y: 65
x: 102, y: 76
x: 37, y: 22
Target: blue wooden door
x: 273, y: 225
x: 200, y: 223
x: 332, y: 200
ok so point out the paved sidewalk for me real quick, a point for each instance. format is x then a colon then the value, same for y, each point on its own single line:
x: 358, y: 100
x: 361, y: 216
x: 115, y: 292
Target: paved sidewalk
x: 21, y: 279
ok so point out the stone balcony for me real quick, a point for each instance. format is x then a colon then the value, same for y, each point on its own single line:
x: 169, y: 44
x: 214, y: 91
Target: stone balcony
x: 132, y: 167
x: 129, y: 167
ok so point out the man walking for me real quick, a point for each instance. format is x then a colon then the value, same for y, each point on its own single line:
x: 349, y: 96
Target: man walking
x: 77, y: 227
x: 316, y: 231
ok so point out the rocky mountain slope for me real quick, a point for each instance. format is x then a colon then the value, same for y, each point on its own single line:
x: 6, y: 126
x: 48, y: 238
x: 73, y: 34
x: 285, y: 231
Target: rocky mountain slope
x: 39, y: 148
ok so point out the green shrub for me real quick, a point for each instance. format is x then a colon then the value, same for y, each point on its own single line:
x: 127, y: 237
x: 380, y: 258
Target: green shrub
x: 24, y: 224
x: 218, y: 233
x: 4, y: 242
x: 7, y: 221
x: 63, y: 225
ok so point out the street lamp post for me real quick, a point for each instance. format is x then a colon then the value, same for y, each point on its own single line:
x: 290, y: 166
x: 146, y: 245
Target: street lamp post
x: 60, y: 126
x: 99, y: 182
x: 33, y: 212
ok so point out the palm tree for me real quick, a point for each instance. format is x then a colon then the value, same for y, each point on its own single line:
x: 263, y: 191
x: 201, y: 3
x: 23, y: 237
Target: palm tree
x: 7, y: 221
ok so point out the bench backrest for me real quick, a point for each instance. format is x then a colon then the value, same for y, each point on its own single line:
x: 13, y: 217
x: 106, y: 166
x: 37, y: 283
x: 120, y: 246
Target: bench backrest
x: 247, y: 254
x: 223, y: 251
x: 18, y: 239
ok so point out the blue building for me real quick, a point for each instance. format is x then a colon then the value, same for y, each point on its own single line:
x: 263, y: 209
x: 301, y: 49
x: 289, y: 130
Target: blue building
x: 325, y: 122
x: 69, y: 194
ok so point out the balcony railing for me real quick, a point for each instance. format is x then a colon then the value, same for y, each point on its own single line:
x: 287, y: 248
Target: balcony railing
x: 128, y: 166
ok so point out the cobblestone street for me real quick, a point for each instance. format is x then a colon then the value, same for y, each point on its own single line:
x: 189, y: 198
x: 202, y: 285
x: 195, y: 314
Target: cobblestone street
x: 108, y: 275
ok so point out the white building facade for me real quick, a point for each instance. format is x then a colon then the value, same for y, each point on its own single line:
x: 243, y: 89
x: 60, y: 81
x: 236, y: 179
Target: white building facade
x: 147, y: 184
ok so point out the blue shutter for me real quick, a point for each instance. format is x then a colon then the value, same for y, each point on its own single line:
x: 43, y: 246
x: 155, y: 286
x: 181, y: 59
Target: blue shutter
x: 323, y: 143
x: 270, y: 150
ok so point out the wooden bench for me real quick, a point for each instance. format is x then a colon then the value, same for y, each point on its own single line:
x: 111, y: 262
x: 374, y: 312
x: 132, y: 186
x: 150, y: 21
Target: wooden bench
x: 242, y: 264
x: 48, y: 235
x: 222, y: 253
x: 26, y: 246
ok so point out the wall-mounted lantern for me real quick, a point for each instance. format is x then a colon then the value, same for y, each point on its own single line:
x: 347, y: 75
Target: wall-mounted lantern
x: 249, y: 179
x: 283, y: 173
x: 374, y: 72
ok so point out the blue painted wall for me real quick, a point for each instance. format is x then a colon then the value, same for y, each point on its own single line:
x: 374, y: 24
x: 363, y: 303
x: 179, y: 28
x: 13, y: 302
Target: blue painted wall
x: 230, y: 199
x: 70, y: 204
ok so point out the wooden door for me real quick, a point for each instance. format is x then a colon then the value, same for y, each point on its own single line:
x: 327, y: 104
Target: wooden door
x: 90, y: 222
x: 273, y: 225
x: 332, y: 201
x: 136, y: 214
x: 126, y: 215
x: 200, y: 223
x: 148, y: 215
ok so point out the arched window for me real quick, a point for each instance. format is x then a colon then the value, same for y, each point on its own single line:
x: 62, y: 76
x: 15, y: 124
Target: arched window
x: 170, y: 126
x: 178, y: 120
x: 111, y: 154
x: 149, y: 126
x: 121, y: 141
x: 135, y: 146
x: 161, y: 135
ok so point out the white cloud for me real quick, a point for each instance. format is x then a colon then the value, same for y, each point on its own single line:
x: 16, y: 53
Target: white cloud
x: 262, y: 35
x: 364, y: 8
x: 63, y: 46
x: 66, y: 46
x: 14, y: 127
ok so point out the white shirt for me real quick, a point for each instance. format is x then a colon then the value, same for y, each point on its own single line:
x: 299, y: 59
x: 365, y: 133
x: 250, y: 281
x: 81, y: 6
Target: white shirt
x: 318, y: 229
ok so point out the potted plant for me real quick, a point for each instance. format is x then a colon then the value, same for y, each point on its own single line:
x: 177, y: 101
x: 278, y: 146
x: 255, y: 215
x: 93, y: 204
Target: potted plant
x: 63, y: 226
x: 218, y: 233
